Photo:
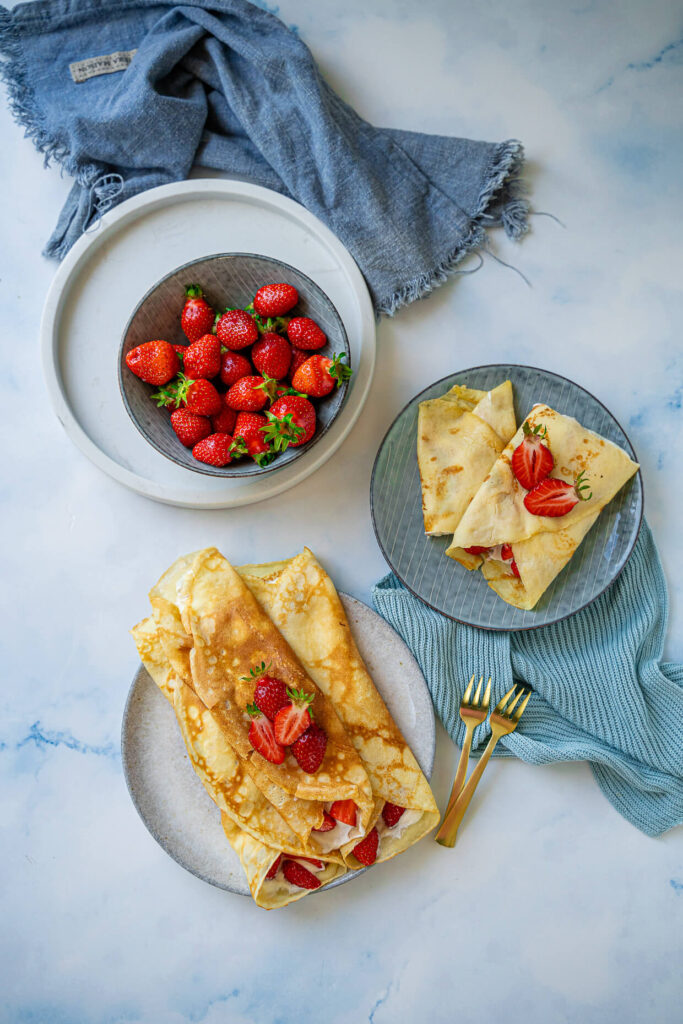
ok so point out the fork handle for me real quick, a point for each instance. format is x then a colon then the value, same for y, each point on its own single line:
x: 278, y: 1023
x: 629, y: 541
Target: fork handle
x: 451, y: 823
x: 462, y: 765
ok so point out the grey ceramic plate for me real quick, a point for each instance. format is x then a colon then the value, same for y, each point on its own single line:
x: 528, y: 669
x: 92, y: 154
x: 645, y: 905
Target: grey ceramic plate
x: 227, y: 279
x: 173, y: 803
x: 420, y: 562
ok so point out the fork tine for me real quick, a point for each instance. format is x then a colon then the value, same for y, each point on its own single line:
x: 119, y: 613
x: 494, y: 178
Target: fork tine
x: 475, y: 702
x: 468, y: 692
x: 487, y: 696
x: 520, y: 710
x: 510, y: 706
x: 501, y: 703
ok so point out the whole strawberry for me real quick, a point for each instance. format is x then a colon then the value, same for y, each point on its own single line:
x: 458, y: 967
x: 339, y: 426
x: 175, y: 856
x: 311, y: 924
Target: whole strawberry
x: 203, y: 357
x: 309, y: 749
x: 236, y: 329
x: 271, y: 355
x: 319, y: 375
x: 270, y: 695
x: 305, y: 333
x: 197, y: 317
x: 214, y: 450
x: 203, y: 398
x: 190, y: 427
x: 366, y: 850
x: 224, y: 421
x: 155, y: 362
x: 275, y: 299
x: 234, y: 366
x: 249, y: 437
x: 291, y: 421
x: 249, y: 394
x: 299, y: 356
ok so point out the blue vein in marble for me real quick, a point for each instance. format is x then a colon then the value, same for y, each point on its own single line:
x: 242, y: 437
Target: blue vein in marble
x: 672, y: 53
x: 380, y: 1002
x: 44, y: 738
x: 676, y: 885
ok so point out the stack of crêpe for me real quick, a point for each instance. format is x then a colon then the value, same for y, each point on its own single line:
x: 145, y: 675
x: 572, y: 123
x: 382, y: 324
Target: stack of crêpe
x: 282, y: 722
x: 517, y: 502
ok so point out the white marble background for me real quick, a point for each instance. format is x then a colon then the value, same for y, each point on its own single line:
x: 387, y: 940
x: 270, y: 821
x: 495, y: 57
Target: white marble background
x: 552, y: 908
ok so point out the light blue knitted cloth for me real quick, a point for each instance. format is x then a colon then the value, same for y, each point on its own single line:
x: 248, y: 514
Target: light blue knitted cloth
x: 601, y: 692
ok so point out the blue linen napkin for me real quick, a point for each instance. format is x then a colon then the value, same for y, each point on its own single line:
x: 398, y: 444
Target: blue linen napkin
x: 600, y: 690
x: 129, y: 94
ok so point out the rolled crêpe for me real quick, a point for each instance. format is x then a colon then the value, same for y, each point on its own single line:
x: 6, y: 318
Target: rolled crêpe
x: 300, y: 598
x: 541, y: 545
x: 459, y: 437
x: 214, y: 633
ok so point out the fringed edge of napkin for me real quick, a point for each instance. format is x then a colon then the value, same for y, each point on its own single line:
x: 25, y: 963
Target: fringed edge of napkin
x: 503, y: 191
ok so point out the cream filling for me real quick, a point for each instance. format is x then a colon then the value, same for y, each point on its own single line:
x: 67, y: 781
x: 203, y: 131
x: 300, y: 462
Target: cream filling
x: 282, y: 883
x: 409, y: 817
x: 336, y: 837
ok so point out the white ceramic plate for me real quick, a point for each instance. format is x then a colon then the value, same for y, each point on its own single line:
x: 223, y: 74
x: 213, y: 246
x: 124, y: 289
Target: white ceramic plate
x: 110, y: 268
x: 172, y: 801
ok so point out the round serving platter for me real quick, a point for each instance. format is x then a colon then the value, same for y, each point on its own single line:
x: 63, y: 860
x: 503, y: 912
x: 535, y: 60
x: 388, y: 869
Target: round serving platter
x: 420, y: 562
x: 110, y: 269
x: 172, y: 801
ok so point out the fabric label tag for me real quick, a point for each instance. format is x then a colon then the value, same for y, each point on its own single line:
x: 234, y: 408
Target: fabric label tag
x: 82, y: 70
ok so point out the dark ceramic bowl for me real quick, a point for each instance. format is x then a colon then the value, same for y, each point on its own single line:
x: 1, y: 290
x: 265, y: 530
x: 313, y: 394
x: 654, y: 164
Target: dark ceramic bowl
x: 228, y: 279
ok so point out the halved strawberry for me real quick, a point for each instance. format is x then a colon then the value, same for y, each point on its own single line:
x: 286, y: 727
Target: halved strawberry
x: 293, y: 721
x: 328, y: 823
x: 274, y: 866
x: 476, y: 550
x: 344, y: 811
x: 270, y: 696
x: 391, y: 814
x: 531, y: 460
x: 262, y: 736
x: 312, y: 860
x: 366, y: 850
x: 297, y: 874
x: 553, y: 497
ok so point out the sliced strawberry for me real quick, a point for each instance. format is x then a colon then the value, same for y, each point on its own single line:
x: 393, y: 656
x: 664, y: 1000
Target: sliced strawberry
x: 344, y: 811
x: 309, y: 749
x: 476, y: 550
x: 312, y: 860
x: 270, y: 696
x: 262, y: 736
x: 553, y: 497
x: 293, y: 721
x: 297, y: 874
x: 506, y: 552
x: 366, y: 850
x: 391, y: 814
x: 515, y: 570
x: 531, y: 460
x: 327, y: 825
x: 274, y: 866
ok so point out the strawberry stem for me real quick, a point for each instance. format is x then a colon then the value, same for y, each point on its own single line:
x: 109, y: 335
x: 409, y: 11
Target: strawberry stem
x: 193, y: 291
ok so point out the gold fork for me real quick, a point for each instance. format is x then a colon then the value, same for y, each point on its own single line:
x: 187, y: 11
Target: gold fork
x: 473, y: 713
x: 504, y: 720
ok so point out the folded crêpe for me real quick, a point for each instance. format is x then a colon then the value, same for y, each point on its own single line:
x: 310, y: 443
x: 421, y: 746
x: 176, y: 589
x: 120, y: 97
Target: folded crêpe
x: 541, y: 545
x: 300, y: 598
x: 459, y: 437
x: 214, y: 633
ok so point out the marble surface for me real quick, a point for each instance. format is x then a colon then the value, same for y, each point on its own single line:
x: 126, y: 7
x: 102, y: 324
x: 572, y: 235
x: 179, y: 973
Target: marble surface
x: 551, y: 908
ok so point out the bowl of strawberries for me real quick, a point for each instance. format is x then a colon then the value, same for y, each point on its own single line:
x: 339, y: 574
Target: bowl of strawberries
x: 234, y: 365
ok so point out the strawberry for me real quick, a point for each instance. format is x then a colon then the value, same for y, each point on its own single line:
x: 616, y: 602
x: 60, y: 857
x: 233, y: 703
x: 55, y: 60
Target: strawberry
x: 312, y: 860
x: 506, y: 552
x: 203, y: 357
x: 274, y: 866
x: 297, y: 874
x: 271, y: 355
x: 292, y: 721
x: 234, y: 366
x: 305, y: 333
x: 270, y: 695
x: 155, y: 362
x: 345, y: 811
x: 299, y: 356
x: 190, y: 427
x: 249, y: 438
x: 391, y: 813
x: 236, y: 329
x: 476, y: 550
x: 275, y: 299
x: 249, y: 394
x: 318, y: 375
x: 309, y: 749
x: 515, y: 570
x: 291, y: 422
x: 366, y: 850
x: 214, y: 450
x: 203, y: 398
x: 197, y: 316
x: 327, y: 825
x: 223, y: 422
x: 531, y: 460
x: 554, y: 497
x: 262, y: 736
x: 180, y: 351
